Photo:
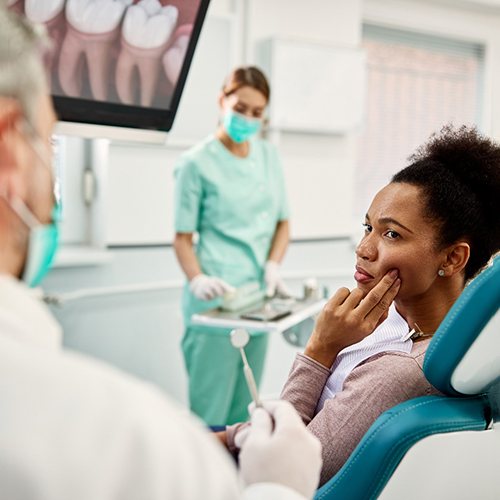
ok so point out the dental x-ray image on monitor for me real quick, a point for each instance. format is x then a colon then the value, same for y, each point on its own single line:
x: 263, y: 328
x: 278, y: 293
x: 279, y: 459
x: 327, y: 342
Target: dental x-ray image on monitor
x: 118, y: 62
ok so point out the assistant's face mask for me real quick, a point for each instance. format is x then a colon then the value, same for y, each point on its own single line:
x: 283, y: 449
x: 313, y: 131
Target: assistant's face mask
x: 240, y: 128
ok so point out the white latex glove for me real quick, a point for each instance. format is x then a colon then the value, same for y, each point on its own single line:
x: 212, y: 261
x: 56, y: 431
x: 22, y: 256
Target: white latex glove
x: 288, y: 454
x: 274, y: 283
x: 209, y: 287
x: 241, y: 436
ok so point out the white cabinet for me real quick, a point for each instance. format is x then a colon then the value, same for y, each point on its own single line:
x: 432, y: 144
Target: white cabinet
x: 316, y: 88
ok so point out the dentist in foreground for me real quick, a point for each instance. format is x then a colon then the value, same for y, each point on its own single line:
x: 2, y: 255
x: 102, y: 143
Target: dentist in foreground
x: 74, y: 428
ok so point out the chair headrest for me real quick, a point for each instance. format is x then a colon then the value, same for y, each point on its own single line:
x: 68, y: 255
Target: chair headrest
x: 464, y: 355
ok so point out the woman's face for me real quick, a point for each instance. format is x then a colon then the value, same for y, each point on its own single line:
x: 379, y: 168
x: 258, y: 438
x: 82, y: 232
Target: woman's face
x: 398, y: 236
x: 245, y: 101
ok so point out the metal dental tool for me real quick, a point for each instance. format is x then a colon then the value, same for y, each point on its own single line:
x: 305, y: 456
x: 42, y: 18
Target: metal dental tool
x: 239, y: 339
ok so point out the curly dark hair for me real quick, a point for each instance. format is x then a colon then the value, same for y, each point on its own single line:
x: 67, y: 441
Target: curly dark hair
x: 458, y: 170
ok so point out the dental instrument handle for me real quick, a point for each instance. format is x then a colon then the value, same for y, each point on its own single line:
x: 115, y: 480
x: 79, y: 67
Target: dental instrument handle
x: 252, y: 386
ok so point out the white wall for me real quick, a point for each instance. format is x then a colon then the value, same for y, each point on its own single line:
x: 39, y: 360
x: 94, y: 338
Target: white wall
x: 141, y: 332
x: 318, y: 20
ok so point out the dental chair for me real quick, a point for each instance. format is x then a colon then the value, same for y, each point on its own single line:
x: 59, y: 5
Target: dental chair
x: 440, y: 447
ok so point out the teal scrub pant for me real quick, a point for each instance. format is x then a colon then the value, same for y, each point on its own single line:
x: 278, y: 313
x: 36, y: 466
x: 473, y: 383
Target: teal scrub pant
x: 218, y: 392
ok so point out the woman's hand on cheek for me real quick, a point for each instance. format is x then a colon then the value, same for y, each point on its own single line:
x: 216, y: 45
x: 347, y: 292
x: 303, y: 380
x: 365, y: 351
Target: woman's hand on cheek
x: 350, y: 316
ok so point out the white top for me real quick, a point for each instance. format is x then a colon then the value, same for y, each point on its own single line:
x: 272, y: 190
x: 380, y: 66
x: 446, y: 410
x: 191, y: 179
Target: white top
x: 389, y: 336
x: 74, y: 428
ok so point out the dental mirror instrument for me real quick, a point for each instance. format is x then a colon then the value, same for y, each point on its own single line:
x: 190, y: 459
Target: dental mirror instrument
x: 239, y: 339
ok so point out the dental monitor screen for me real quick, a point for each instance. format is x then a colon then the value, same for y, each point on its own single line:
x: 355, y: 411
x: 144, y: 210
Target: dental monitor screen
x: 118, y: 62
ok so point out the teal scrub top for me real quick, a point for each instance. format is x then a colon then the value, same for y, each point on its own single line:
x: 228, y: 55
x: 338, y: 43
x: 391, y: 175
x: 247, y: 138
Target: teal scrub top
x: 234, y: 205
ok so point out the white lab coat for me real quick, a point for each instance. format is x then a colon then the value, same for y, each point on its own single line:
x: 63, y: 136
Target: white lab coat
x: 74, y: 428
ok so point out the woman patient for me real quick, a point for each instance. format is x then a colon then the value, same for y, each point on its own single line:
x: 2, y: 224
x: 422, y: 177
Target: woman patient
x: 427, y: 233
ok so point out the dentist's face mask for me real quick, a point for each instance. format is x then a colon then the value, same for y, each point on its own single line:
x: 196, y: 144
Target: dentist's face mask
x: 42, y: 245
x: 240, y: 128
x: 43, y: 238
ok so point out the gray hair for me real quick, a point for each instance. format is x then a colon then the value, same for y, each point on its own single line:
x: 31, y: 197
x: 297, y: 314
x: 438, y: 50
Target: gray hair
x: 22, y: 75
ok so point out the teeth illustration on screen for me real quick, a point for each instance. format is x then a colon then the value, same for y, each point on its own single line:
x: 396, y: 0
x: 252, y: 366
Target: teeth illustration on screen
x: 174, y: 57
x: 96, y: 16
x: 147, y: 30
x: 42, y: 12
x: 148, y: 25
x: 51, y: 14
x: 93, y: 27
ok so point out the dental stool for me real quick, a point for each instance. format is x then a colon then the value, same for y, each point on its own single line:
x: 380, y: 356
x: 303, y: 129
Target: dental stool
x: 440, y: 447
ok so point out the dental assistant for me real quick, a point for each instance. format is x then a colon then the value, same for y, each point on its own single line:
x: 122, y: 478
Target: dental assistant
x: 230, y: 190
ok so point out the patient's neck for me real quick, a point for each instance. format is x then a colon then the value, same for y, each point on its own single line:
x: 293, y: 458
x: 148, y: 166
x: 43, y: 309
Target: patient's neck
x: 426, y: 312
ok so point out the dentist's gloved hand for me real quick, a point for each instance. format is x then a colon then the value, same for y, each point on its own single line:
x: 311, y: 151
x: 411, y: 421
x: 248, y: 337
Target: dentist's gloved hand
x: 274, y: 283
x: 287, y: 454
x: 205, y: 287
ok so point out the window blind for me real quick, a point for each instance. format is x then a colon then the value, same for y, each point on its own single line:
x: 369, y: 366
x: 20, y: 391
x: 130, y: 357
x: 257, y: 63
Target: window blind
x: 416, y: 84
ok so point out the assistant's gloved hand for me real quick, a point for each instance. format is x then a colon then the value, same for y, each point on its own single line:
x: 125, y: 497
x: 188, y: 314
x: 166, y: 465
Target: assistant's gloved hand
x: 205, y: 287
x: 274, y: 283
x: 288, y: 454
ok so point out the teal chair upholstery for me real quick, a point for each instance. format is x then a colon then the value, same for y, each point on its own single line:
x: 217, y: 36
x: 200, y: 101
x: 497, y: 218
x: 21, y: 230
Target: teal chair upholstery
x: 463, y: 362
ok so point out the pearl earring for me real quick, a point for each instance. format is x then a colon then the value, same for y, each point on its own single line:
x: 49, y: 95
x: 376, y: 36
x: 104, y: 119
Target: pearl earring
x: 441, y: 272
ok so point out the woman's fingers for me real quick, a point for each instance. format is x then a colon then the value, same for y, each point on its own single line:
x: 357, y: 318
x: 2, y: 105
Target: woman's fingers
x: 382, y: 306
x: 377, y: 297
x: 354, y: 299
x: 348, y: 317
x: 382, y: 318
x: 338, y: 298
